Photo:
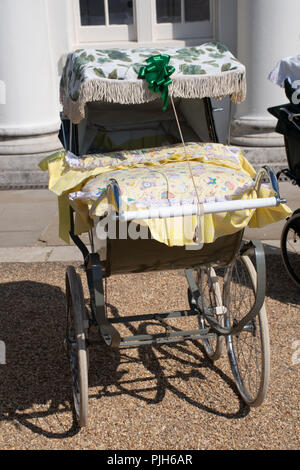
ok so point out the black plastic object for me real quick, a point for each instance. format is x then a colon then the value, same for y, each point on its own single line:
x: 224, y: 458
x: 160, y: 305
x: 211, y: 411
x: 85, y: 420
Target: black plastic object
x: 289, y: 125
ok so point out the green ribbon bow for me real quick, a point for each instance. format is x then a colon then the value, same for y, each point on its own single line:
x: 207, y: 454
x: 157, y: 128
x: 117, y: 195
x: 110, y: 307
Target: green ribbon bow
x: 157, y: 74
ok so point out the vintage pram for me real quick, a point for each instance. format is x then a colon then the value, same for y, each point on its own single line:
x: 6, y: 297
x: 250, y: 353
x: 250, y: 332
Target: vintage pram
x: 287, y: 74
x: 108, y: 105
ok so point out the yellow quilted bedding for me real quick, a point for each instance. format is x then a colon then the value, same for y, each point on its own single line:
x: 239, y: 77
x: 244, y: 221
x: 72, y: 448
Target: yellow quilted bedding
x: 161, y: 176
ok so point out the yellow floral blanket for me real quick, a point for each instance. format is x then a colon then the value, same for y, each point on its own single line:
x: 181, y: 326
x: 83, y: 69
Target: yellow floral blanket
x: 161, y: 176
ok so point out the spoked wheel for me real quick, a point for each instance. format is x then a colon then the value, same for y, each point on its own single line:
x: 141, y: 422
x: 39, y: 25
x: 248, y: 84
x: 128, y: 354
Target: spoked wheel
x: 209, y: 289
x: 76, y: 344
x: 290, y: 247
x: 248, y: 350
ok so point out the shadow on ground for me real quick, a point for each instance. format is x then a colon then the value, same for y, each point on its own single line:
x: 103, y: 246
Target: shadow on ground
x: 279, y: 285
x: 36, y: 382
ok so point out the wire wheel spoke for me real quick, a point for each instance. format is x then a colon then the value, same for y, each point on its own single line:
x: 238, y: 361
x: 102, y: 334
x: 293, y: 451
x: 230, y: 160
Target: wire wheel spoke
x: 248, y: 351
x: 210, y: 292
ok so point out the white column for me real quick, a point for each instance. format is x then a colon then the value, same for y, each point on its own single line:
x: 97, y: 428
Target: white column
x: 267, y: 31
x: 33, y: 36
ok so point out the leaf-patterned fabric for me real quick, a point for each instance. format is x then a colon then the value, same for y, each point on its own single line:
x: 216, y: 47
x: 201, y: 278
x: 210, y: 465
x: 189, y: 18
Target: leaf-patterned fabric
x: 111, y: 75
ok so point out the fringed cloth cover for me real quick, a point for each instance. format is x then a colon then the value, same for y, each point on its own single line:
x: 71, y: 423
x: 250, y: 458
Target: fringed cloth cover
x: 111, y: 75
x: 160, y: 176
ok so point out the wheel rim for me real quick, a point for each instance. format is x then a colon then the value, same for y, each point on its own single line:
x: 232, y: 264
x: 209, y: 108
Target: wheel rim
x: 248, y: 351
x: 73, y: 357
x: 243, y: 354
x: 76, y: 345
x: 290, y: 248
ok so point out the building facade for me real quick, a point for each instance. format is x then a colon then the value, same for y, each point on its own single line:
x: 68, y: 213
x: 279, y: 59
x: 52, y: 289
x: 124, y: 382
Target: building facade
x: 36, y: 35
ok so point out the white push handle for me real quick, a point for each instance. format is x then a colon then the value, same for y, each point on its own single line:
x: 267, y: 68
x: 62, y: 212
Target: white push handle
x: 192, y: 209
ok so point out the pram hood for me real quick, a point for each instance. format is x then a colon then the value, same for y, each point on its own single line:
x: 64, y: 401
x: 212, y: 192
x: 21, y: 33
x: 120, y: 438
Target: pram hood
x: 111, y: 75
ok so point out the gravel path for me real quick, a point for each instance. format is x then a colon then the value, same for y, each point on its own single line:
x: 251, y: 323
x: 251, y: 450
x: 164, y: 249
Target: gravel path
x: 167, y: 397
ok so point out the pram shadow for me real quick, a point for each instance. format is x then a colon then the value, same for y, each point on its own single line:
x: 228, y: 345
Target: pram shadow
x: 35, y: 386
x: 279, y: 285
x: 114, y: 382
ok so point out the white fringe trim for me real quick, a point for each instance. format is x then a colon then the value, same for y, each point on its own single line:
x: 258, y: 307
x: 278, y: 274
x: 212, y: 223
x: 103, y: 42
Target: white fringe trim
x: 231, y: 83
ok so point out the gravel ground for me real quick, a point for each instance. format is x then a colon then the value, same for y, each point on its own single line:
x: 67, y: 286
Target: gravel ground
x: 167, y: 397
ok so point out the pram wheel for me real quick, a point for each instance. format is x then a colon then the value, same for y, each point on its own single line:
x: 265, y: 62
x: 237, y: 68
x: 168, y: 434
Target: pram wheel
x: 210, y: 292
x: 76, y: 344
x: 248, y: 350
x: 290, y: 247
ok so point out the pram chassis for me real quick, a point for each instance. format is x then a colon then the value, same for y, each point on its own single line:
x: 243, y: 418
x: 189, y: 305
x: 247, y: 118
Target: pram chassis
x: 215, y: 316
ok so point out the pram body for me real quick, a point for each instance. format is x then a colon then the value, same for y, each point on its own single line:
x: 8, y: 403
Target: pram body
x: 99, y: 111
x: 287, y: 74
